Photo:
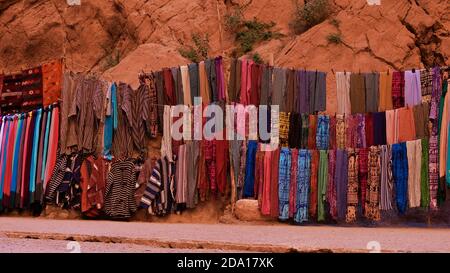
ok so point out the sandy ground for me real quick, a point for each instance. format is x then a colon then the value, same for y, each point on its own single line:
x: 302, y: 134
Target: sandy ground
x: 13, y: 245
x: 216, y: 237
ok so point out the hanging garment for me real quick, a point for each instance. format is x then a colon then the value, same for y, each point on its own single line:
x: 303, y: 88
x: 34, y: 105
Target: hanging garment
x: 414, y: 150
x: 243, y: 88
x: 372, y: 91
x: 220, y: 80
x: 222, y: 159
x: 110, y: 117
x: 413, y: 94
x: 193, y: 81
x: 372, y: 200
x: 274, y: 201
x: 332, y: 142
x: 312, y: 132
x: 211, y: 174
x: 34, y: 154
x: 177, y: 85
x: 122, y: 140
x: 186, y: 85
x: 398, y: 89
x: 323, y: 132
x: 357, y: 93
x: 232, y: 80
x: 266, y: 85
x: 293, y: 183
x: 369, y: 129
x: 322, y: 185
x: 250, y: 169
x: 391, y: 127
x: 341, y: 178
x: 93, y: 180
x: 15, y: 161
x: 343, y: 92
x: 140, y: 108
x: 284, y: 129
x: 158, y: 195
x: 426, y: 84
x: 361, y: 131
x: 424, y: 183
x: 259, y: 174
x: 242, y: 169
x: 62, y: 167
x: 444, y: 118
x: 145, y: 173
x: 235, y: 161
x: 303, y: 182
x: 331, y: 194
x: 379, y: 128
x: 400, y: 175
x: 203, y: 83
x: 363, y: 174
x: 212, y: 79
x: 279, y: 88
x: 340, y: 132
x: 290, y: 90
x: 405, y: 124
x: 26, y: 160
x: 8, y: 121
x: 53, y: 145
x: 305, y: 131
x: 387, y: 182
x: 88, y: 109
x: 169, y: 87
x: 51, y: 82
x: 385, y: 102
x: 295, y: 129
x: 160, y: 93
x: 9, y: 162
x: 255, y: 90
x: 352, y: 192
x: 166, y: 143
x: 319, y: 91
x: 68, y: 129
x: 283, y: 184
x: 267, y: 191
x: 193, y: 155
x: 19, y: 196
x: 303, y: 92
x: 119, y: 191
x: 313, y: 193
x: 181, y: 176
x: 64, y: 189
x: 421, y: 114
x: 351, y: 134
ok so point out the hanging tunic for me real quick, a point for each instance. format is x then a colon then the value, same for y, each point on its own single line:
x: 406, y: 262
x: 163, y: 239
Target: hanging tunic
x: 341, y: 178
x: 323, y: 132
x: 363, y: 174
x: 385, y: 100
x: 343, y: 92
x: 414, y: 154
x: 400, y: 175
x: 313, y: 188
x: 352, y: 192
x: 322, y: 185
x: 372, y: 204
x: 387, y: 182
x: 398, y: 89
x: 331, y: 186
x: 303, y: 182
x: 340, y: 132
x: 283, y: 183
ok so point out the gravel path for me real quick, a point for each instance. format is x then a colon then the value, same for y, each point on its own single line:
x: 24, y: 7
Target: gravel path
x: 233, y: 237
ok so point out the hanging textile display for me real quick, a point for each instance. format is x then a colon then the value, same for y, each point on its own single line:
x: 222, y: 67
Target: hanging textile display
x: 79, y: 142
